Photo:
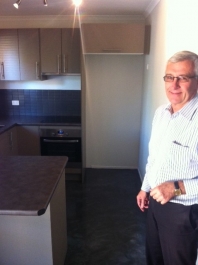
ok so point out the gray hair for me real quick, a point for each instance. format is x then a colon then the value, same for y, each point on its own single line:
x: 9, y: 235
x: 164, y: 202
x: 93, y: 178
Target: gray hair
x: 185, y: 55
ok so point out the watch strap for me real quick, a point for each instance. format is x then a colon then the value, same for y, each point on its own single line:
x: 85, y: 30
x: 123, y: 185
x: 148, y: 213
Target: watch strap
x: 176, y: 184
x: 177, y: 191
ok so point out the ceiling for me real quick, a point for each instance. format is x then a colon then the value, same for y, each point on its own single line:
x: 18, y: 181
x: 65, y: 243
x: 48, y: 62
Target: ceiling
x: 66, y: 7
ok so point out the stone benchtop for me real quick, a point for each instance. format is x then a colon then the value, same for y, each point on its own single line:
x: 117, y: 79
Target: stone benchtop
x: 27, y: 183
x: 10, y: 122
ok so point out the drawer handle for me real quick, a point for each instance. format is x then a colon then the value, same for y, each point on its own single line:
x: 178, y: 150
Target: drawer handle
x: 60, y: 141
x: 112, y: 50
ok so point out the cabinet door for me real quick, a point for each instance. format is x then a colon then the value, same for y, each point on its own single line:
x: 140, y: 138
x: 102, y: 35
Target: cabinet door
x: 50, y: 50
x: 9, y: 56
x: 28, y: 140
x: 8, y: 143
x: 29, y: 54
x: 113, y: 38
x: 71, y: 51
x: 13, y: 142
x: 4, y: 144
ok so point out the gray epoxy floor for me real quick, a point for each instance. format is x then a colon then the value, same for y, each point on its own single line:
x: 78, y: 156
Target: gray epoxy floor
x: 105, y: 226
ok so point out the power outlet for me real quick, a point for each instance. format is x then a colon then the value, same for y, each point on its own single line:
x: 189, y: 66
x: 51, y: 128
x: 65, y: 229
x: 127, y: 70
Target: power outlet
x: 15, y: 102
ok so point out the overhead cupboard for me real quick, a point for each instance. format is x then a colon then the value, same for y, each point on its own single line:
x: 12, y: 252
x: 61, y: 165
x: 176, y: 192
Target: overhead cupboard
x: 29, y: 54
x: 60, y: 51
x: 116, y: 38
x: 19, y: 54
x: 9, y: 57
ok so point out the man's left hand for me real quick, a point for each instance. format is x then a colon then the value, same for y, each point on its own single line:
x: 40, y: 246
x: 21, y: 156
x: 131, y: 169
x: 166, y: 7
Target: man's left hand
x: 163, y: 193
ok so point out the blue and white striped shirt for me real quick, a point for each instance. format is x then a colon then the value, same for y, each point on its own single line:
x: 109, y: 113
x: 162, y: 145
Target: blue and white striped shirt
x: 173, y: 150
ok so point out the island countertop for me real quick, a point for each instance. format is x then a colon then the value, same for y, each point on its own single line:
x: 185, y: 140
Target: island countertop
x: 27, y: 183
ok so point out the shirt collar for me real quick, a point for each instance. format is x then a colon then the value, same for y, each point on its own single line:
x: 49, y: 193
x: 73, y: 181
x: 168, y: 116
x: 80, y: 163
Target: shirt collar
x: 189, y: 108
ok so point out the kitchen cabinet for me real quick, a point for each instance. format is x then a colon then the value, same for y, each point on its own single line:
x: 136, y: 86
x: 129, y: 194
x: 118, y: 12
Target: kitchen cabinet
x: 113, y: 38
x: 20, y: 140
x: 29, y: 54
x: 9, y: 55
x: 19, y: 54
x: 28, y: 140
x: 71, y: 50
x: 60, y: 51
x: 9, y: 143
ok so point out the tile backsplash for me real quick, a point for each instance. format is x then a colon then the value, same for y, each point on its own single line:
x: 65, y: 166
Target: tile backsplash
x: 40, y: 102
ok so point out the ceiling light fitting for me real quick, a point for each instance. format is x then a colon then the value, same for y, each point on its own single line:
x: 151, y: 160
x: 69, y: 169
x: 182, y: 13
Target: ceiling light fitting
x: 16, y: 5
x: 45, y: 2
x: 77, y: 2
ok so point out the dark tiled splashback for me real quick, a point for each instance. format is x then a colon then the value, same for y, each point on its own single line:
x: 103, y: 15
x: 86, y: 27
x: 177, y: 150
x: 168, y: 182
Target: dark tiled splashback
x: 40, y: 102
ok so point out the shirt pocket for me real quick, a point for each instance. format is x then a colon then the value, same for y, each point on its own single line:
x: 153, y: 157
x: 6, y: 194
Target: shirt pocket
x: 180, y: 157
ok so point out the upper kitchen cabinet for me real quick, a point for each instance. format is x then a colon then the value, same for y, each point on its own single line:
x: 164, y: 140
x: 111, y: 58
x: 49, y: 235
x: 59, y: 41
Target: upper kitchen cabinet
x: 60, y: 51
x: 9, y: 55
x: 50, y: 50
x: 71, y: 49
x: 29, y: 54
x: 113, y: 38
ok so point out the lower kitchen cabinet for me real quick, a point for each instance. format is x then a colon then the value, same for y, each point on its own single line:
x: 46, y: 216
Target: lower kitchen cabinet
x: 28, y: 140
x: 9, y: 143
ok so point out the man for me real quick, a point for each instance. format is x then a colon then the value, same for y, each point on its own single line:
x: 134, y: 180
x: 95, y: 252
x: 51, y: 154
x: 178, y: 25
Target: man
x: 170, y: 186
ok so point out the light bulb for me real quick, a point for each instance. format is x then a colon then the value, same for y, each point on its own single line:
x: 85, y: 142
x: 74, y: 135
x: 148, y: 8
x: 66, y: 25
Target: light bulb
x: 16, y: 5
x: 77, y: 2
x: 45, y: 2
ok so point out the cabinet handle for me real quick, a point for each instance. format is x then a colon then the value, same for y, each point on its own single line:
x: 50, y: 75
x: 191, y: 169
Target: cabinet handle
x: 65, y: 63
x: 2, y: 71
x: 37, y: 70
x: 111, y: 50
x: 64, y: 70
x: 60, y: 141
x: 59, y: 66
x: 10, y: 140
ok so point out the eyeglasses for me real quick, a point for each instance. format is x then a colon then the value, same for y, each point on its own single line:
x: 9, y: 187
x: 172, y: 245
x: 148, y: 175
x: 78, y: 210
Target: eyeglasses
x: 180, y: 78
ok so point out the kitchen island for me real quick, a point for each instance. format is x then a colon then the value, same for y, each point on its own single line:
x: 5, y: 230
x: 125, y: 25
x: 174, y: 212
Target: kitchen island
x: 32, y: 210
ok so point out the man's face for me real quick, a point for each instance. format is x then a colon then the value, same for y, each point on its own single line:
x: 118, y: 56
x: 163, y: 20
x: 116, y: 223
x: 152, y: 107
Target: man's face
x: 180, y: 93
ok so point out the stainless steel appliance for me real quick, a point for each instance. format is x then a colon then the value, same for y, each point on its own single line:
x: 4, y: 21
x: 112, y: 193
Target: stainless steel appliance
x: 63, y: 141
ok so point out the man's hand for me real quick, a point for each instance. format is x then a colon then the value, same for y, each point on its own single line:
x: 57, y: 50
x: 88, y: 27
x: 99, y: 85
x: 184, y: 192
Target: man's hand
x: 142, y: 200
x: 163, y: 193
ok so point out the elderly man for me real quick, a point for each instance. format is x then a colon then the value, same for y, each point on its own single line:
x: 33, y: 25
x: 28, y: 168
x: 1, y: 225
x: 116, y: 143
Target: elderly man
x: 170, y: 186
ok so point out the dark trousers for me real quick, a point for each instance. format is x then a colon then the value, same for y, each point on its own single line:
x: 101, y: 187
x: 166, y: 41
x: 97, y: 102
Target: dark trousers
x: 171, y: 237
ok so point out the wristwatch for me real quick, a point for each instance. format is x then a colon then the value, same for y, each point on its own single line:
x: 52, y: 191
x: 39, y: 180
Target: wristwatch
x: 177, y: 190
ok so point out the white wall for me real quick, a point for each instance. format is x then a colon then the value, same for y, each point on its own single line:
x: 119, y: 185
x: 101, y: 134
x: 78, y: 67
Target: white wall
x: 113, y: 110
x: 173, y: 28
x: 153, y: 72
x: 182, y: 26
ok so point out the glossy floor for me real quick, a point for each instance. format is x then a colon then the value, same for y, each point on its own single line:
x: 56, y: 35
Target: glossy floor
x: 105, y: 226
